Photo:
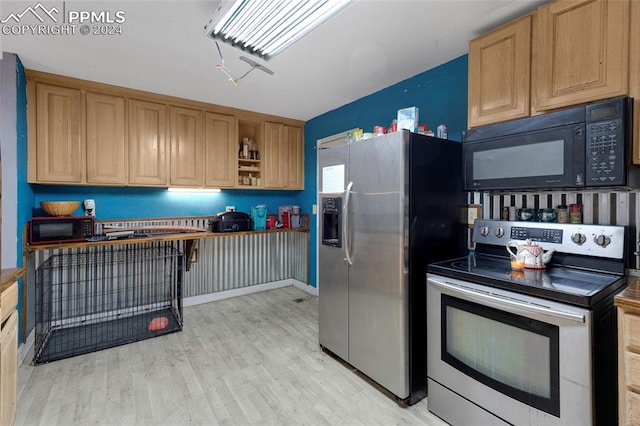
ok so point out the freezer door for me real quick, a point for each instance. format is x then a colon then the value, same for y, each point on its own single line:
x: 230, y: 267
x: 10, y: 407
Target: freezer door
x: 378, y: 302
x: 332, y: 268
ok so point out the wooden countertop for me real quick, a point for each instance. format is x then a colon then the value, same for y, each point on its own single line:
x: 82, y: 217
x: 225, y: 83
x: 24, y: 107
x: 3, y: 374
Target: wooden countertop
x: 9, y: 276
x: 629, y: 298
x: 156, y: 238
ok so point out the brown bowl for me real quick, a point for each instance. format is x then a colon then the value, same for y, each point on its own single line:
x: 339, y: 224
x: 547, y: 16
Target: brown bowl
x: 59, y: 208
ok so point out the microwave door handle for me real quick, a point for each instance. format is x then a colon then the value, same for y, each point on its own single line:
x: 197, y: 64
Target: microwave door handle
x: 479, y: 297
x: 345, y: 223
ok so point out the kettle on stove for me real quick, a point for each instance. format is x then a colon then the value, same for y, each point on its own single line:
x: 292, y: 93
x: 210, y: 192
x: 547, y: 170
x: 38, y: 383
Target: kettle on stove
x: 528, y: 255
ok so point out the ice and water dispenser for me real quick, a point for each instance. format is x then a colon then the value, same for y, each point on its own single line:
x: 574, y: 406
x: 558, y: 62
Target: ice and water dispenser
x: 332, y: 221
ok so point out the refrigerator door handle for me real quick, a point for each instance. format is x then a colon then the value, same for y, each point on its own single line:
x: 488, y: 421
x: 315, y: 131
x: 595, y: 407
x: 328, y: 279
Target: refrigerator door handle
x: 345, y: 223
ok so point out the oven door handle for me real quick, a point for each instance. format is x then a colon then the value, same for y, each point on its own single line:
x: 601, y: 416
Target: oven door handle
x: 476, y: 296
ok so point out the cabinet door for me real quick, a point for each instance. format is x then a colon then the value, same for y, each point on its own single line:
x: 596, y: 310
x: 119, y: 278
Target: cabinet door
x: 634, y: 78
x: 274, y: 152
x: 500, y: 73
x: 582, y: 51
x: 221, y: 142
x: 8, y: 369
x: 294, y: 158
x: 60, y: 148
x: 147, y: 147
x: 106, y: 139
x: 187, y: 147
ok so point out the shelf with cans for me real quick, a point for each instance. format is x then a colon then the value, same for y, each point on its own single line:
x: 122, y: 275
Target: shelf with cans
x: 561, y: 214
x: 249, y: 164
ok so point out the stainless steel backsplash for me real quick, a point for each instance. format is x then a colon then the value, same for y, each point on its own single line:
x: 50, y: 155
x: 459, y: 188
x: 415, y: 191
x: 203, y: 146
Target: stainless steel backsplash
x: 620, y: 208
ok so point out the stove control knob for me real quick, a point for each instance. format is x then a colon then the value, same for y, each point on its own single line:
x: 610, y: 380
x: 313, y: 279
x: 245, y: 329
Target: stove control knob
x: 578, y: 238
x: 603, y: 240
x: 484, y: 231
x: 499, y: 232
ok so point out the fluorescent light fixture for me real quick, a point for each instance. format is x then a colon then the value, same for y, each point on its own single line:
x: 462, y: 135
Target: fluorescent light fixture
x: 266, y: 27
x: 194, y: 190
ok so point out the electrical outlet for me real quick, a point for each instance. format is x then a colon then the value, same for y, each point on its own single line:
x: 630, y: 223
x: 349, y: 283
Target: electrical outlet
x: 90, y: 207
x: 230, y: 208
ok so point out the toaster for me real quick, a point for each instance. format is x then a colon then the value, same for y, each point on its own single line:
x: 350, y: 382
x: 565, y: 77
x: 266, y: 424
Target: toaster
x: 231, y: 222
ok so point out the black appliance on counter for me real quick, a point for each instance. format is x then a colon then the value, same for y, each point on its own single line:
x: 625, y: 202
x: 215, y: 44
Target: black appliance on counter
x: 580, y: 147
x: 231, y: 222
x: 60, y: 229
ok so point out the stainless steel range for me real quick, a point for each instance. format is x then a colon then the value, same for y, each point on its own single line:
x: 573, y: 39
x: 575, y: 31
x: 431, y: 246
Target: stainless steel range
x: 530, y: 346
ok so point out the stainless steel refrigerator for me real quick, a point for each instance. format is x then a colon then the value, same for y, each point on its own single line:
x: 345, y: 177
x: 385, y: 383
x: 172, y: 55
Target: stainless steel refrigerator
x: 389, y: 205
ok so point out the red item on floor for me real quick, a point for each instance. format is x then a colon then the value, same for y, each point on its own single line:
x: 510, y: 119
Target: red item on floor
x: 158, y: 323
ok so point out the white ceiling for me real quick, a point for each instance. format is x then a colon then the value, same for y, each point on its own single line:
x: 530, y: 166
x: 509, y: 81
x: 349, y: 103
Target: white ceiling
x: 369, y: 46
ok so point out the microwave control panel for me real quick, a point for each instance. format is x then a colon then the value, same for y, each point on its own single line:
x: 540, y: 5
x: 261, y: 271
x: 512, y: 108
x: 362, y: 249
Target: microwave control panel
x: 605, y: 144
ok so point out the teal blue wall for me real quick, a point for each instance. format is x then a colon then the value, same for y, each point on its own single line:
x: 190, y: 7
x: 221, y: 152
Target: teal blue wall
x: 25, y: 193
x: 134, y: 203
x: 440, y: 95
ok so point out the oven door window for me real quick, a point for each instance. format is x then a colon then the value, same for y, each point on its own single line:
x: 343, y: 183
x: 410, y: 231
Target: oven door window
x: 513, y: 355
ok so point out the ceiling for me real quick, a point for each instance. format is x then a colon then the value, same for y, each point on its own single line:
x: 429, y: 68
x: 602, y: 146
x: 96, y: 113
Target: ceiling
x: 369, y: 46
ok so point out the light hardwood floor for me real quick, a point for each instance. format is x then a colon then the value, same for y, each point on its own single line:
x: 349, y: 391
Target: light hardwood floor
x: 252, y: 359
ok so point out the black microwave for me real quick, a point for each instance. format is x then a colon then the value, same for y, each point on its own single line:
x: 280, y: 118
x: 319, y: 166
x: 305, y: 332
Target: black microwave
x: 588, y: 146
x: 60, y: 229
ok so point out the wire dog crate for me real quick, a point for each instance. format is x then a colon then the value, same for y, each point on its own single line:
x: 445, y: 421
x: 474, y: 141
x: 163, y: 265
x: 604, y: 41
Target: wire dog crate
x: 106, y: 296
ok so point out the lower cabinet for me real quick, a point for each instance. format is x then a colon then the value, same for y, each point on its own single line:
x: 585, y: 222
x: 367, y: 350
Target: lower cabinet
x: 629, y: 354
x: 8, y: 354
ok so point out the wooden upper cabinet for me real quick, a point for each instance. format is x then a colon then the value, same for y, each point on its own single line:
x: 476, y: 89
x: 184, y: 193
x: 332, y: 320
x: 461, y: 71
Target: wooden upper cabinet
x: 273, y: 155
x: 582, y: 52
x: 220, y: 141
x: 187, y: 147
x: 147, y: 143
x: 294, y: 158
x: 59, y: 147
x: 106, y: 139
x: 283, y: 156
x: 499, y: 74
x: 88, y: 133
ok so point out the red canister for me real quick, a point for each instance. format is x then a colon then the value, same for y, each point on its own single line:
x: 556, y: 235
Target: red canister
x: 286, y: 220
x: 379, y: 130
x: 271, y: 222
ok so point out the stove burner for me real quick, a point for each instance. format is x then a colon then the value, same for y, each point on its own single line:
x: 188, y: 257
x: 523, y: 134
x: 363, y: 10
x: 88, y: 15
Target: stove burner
x: 472, y: 265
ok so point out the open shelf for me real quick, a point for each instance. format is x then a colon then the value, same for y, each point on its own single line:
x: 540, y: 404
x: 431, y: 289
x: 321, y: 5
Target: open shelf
x: 250, y: 169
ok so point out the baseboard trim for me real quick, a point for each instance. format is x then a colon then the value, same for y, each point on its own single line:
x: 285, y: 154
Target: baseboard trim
x: 227, y: 294
x: 305, y: 287
x: 23, y: 349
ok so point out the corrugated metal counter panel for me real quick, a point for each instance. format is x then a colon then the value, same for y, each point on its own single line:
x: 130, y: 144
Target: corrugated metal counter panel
x: 224, y: 263
x: 238, y: 261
